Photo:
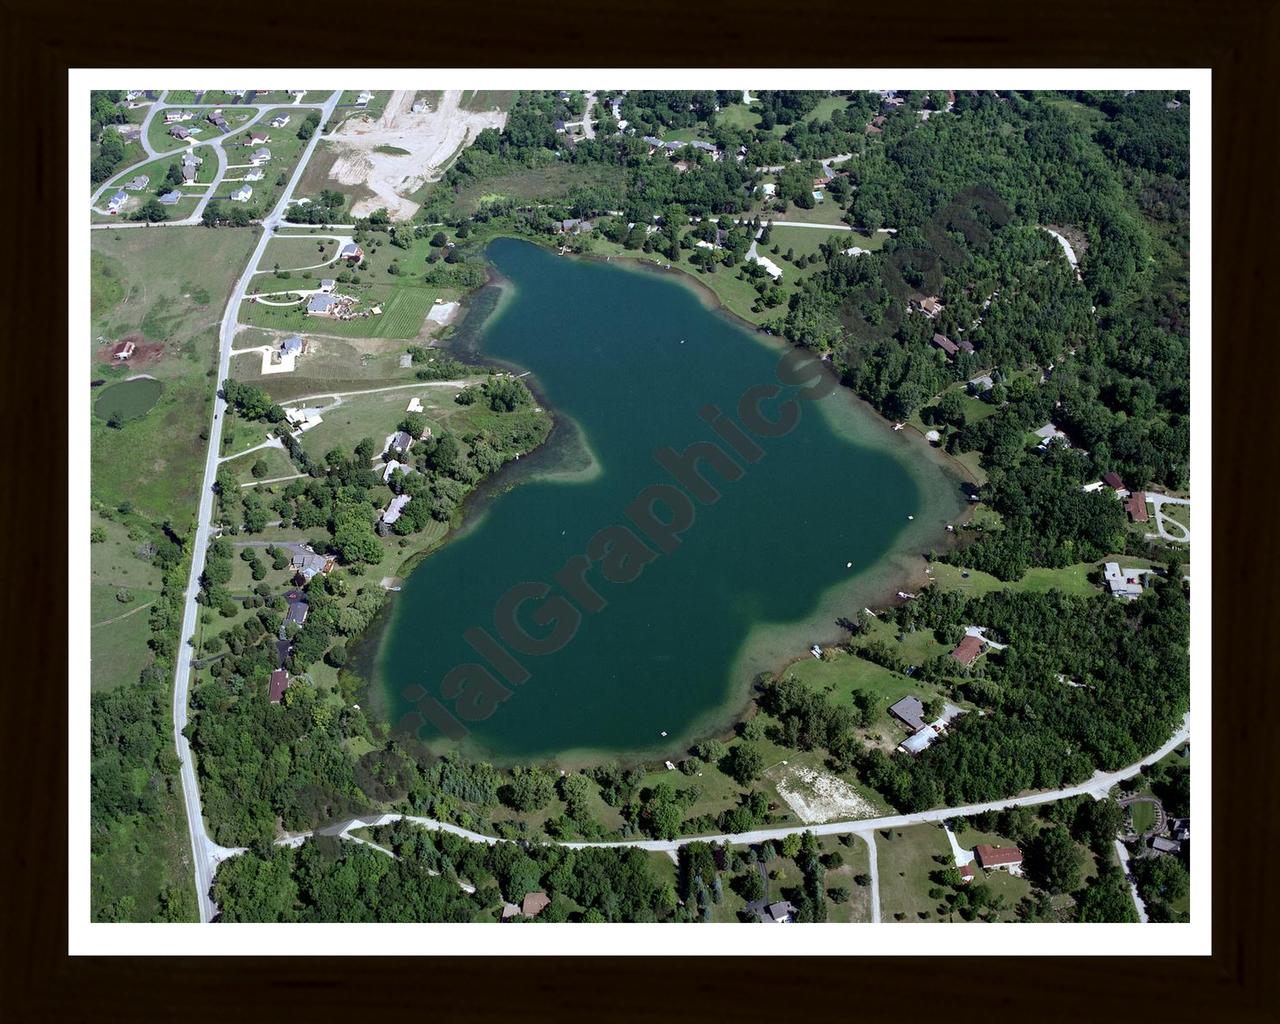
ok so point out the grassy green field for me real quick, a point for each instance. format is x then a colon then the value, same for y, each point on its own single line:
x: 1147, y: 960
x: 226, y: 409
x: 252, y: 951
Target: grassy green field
x: 533, y: 185
x: 485, y: 99
x: 905, y: 860
x: 404, y: 311
x: 128, y: 400
x: 292, y: 253
x: 157, y: 169
x: 376, y: 415
x: 277, y: 463
x: 1072, y: 579
x: 169, y: 287
x: 119, y: 629
x: 738, y: 115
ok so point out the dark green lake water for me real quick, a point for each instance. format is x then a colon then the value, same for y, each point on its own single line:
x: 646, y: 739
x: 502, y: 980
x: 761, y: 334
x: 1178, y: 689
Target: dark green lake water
x: 626, y: 359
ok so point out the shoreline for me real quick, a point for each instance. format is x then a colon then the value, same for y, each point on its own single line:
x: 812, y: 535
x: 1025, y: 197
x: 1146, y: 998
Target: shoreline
x: 898, y: 572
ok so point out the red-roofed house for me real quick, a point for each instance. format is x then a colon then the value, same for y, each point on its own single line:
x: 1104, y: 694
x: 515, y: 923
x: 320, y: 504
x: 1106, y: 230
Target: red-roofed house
x: 1136, y: 506
x: 1114, y: 481
x: 968, y: 650
x: 279, y: 683
x: 967, y: 872
x: 1007, y: 857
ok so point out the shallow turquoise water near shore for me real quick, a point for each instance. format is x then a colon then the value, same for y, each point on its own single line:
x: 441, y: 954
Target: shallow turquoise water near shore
x: 626, y: 361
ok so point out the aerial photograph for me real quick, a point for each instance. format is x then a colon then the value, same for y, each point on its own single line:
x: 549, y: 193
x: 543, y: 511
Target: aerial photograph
x: 637, y: 505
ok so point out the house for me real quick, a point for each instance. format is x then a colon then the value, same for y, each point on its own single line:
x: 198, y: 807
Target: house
x: 1114, y: 481
x: 1136, y: 506
x: 876, y: 126
x: 175, y: 116
x: 1007, y: 858
x: 1162, y: 845
x: 910, y: 712
x: 559, y: 126
x: 402, y: 441
x: 768, y: 189
x: 930, y: 306
x: 574, y: 226
x: 946, y: 344
x: 534, y: 903
x: 116, y: 201
x: 189, y: 164
x: 308, y: 564
x: 1047, y: 433
x: 981, y: 385
x: 363, y: 99
x: 351, y: 252
x: 390, y: 468
x: 258, y: 138
x: 965, y: 345
x: 279, y: 683
x: 242, y: 194
x: 260, y: 156
x: 253, y: 176
x: 171, y: 198
x: 853, y: 250
x: 1125, y: 584
x: 1180, y: 829
x: 320, y: 303
x: 280, y: 121
x: 217, y: 120
x: 782, y: 912
x: 967, y: 650
x: 919, y: 740
x: 137, y: 184
x: 327, y: 284
x: 123, y: 350
x: 509, y: 910
x: 392, y: 512
x: 178, y: 132
x: 968, y: 872
x: 297, y: 613
x: 292, y: 346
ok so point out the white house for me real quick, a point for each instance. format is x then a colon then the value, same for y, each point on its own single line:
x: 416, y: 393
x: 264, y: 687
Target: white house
x: 260, y: 156
x: 242, y: 194
x: 363, y: 99
x: 280, y: 122
x: 116, y: 201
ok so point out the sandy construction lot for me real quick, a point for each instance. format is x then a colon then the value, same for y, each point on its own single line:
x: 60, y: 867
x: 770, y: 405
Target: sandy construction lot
x: 815, y: 796
x: 431, y: 140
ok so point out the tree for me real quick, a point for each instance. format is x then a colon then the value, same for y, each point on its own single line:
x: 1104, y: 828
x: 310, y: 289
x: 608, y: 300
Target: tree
x: 1054, y: 860
x: 259, y: 469
x: 743, y: 764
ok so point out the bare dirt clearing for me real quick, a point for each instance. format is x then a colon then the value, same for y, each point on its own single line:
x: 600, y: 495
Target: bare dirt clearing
x: 430, y: 140
x: 815, y: 796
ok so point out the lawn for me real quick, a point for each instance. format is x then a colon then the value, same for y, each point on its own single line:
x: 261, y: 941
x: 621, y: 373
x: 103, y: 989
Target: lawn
x: 404, y: 312
x: 200, y: 128
x: 169, y: 287
x: 277, y: 462
x: 376, y: 415
x: 290, y: 253
x: 330, y: 364
x: 845, y: 673
x: 285, y: 148
x: 804, y: 241
x: 738, y: 115
x: 1143, y: 816
x: 1071, y: 579
x: 158, y: 169
x: 906, y: 858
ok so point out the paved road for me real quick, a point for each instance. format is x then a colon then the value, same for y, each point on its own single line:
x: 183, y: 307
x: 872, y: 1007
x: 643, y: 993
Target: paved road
x: 1097, y: 787
x: 1138, y: 905
x: 205, y: 853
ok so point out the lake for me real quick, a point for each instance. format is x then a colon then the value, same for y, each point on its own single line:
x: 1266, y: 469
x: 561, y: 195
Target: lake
x: 626, y: 360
